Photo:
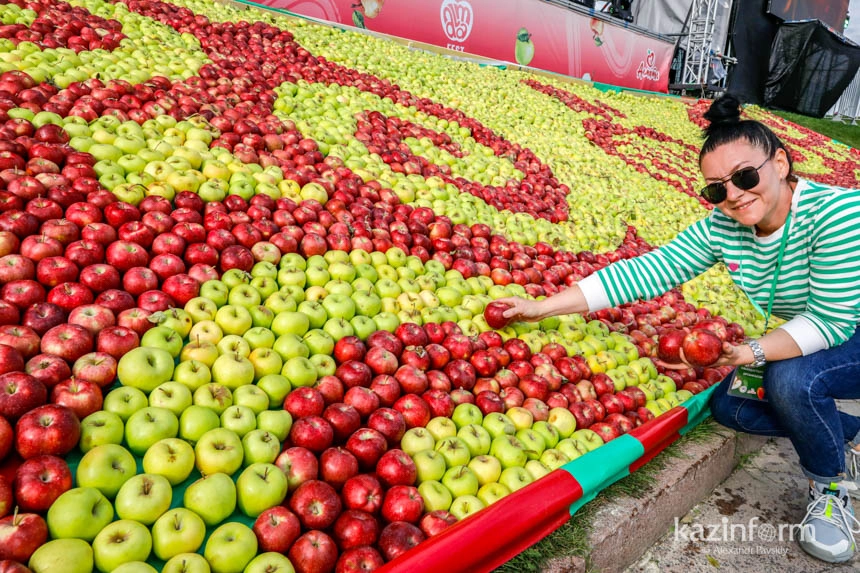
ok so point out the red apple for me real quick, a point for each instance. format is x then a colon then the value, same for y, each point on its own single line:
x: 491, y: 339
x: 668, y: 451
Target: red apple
x: 20, y: 535
x: 276, y: 529
x: 41, y: 480
x: 399, y: 537
x: 49, y: 429
x: 316, y: 504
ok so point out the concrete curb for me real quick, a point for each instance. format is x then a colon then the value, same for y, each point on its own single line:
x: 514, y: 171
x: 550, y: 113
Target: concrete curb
x: 624, y: 528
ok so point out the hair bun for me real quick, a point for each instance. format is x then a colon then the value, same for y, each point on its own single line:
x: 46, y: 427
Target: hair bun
x: 723, y: 111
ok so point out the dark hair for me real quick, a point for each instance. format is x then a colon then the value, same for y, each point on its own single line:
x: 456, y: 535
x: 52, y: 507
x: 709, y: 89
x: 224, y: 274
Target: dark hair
x: 726, y: 126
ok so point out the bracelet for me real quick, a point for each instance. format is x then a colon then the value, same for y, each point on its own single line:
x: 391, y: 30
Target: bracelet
x: 758, y: 354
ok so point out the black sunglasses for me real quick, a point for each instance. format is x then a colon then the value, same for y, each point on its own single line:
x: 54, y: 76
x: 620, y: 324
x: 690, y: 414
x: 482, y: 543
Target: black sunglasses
x: 745, y: 179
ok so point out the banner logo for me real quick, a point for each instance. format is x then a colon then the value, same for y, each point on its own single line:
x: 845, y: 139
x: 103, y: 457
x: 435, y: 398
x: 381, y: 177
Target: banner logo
x: 457, y: 18
x: 647, y: 70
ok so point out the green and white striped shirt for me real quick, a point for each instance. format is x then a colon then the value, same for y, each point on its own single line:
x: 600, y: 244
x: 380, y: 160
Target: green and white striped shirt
x: 818, y: 291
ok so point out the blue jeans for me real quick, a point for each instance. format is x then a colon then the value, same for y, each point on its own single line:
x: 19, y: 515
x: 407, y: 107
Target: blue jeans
x: 800, y: 393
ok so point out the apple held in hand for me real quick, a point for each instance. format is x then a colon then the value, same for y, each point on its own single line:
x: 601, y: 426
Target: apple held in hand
x: 494, y: 314
x: 702, y: 347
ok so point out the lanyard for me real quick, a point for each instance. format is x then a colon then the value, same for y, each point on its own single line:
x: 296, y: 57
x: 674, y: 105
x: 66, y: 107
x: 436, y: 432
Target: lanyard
x: 775, y: 274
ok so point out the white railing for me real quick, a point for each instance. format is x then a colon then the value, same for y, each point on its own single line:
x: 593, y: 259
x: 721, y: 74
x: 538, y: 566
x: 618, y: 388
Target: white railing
x: 847, y: 107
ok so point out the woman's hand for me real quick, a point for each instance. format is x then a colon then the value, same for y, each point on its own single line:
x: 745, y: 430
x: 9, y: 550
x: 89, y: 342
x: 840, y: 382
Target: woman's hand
x: 732, y: 356
x: 521, y: 309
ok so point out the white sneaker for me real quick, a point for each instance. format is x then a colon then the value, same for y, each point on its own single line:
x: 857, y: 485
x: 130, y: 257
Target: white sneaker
x: 827, y: 530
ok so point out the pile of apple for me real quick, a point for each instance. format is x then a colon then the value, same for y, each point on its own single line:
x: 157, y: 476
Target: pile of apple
x: 58, y: 24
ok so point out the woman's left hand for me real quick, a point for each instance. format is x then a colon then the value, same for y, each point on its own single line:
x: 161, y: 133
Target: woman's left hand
x: 732, y: 356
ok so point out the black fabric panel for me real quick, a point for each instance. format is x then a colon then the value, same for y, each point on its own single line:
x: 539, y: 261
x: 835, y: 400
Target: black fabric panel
x: 810, y: 67
x: 751, y: 37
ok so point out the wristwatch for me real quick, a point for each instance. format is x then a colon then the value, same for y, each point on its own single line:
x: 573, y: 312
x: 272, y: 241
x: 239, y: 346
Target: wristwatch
x: 758, y: 353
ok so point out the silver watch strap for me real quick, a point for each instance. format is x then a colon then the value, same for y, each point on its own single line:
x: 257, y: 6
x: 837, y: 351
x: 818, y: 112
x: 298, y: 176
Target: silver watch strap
x: 758, y: 353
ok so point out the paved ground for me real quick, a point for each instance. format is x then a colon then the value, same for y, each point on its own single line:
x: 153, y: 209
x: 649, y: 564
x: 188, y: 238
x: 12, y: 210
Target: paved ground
x: 744, y: 516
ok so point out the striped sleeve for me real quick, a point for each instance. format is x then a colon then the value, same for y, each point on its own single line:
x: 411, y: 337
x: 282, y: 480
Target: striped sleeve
x: 833, y: 306
x: 688, y: 255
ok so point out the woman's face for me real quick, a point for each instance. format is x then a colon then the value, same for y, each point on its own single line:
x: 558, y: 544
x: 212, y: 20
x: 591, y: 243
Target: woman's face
x: 751, y: 207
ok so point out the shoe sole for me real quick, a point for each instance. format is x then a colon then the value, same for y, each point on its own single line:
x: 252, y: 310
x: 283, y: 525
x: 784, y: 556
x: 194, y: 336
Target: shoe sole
x: 820, y: 554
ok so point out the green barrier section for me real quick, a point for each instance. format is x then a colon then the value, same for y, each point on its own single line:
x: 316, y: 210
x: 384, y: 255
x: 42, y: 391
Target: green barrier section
x: 697, y: 409
x: 603, y: 467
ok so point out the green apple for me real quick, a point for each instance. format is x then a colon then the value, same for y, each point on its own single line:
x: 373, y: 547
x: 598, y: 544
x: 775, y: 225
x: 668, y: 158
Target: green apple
x: 259, y: 487
x: 417, y: 439
x: 120, y: 542
x: 486, y: 468
x: 260, y: 447
x: 79, y: 513
x: 201, y: 308
x: 195, y: 421
x: 276, y: 422
x: 143, y: 498
x: 464, y: 506
x: 515, y: 478
x: 216, y: 291
x: 286, y: 322
x: 252, y: 397
x: 145, y: 368
x: 533, y: 442
x: 498, y: 424
x: 548, y: 432
x: 465, y: 414
x: 234, y: 319
x: 172, y: 458
x: 441, y: 427
x: 125, y: 401
x: 536, y: 469
x: 553, y: 458
x: 265, y: 362
x: 476, y: 438
x: 320, y: 341
x: 100, y: 428
x: 162, y: 338
x: 290, y: 346
x: 230, y: 548
x: 571, y: 448
x: 460, y: 481
x: 232, y: 371
x: 276, y: 387
x: 215, y: 396
x: 106, y: 468
x: 193, y: 373
x: 212, y: 497
x: 509, y: 451
x: 66, y: 555
x: 430, y: 465
x: 436, y: 496
x: 454, y: 450
x: 186, y: 563
x: 490, y: 493
x: 259, y: 337
x: 233, y: 344
x: 239, y: 419
x: 270, y: 562
x: 177, y: 531
x: 219, y: 450
x: 147, y: 426
x: 172, y: 396
x: 587, y: 438
x: 300, y: 371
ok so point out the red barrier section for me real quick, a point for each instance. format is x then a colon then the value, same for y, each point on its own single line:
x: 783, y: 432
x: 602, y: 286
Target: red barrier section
x: 498, y: 533
x: 527, y: 32
x: 659, y: 434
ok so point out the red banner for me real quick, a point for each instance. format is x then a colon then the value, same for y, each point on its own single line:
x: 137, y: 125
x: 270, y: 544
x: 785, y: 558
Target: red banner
x: 528, y: 32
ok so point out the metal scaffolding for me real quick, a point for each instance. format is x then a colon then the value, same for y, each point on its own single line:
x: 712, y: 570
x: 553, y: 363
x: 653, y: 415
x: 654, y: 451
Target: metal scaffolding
x: 698, y: 42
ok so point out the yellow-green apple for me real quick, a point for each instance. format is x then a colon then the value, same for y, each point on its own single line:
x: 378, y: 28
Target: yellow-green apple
x: 195, y: 421
x: 492, y: 492
x: 105, y: 468
x: 218, y: 450
x: 487, y: 469
x: 259, y: 487
x: 145, y: 368
x: 68, y: 555
x: 143, y: 498
x: 100, y: 428
x: 230, y: 547
x: 172, y: 458
x: 212, y: 497
x: 79, y: 513
x: 177, y: 531
x: 147, y: 426
x: 464, y: 506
